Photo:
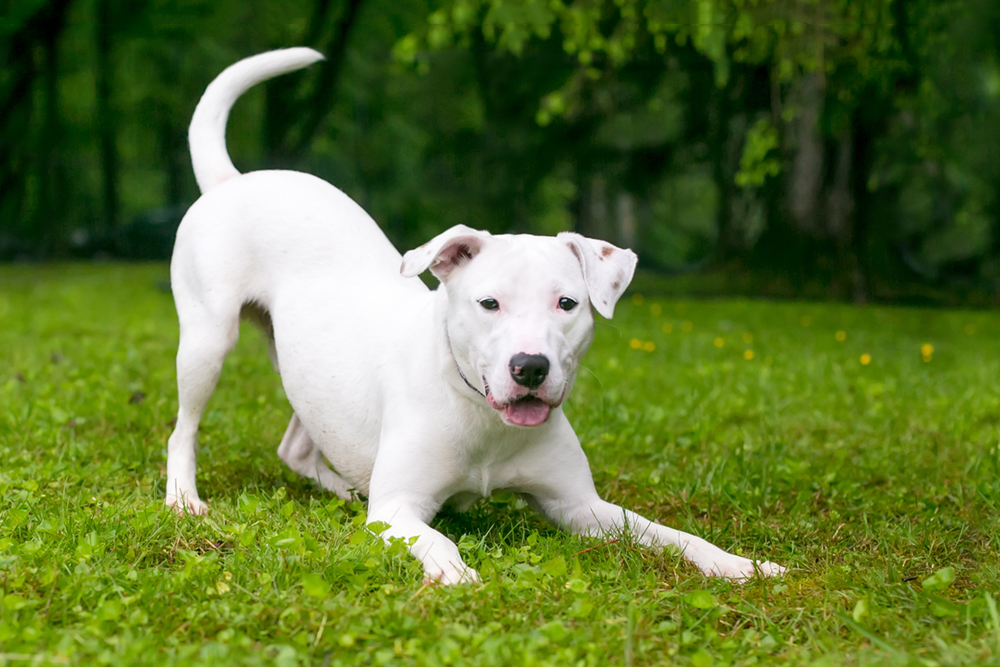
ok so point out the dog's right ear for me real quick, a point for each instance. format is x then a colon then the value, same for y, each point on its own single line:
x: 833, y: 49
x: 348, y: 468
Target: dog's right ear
x: 606, y: 269
x: 444, y: 253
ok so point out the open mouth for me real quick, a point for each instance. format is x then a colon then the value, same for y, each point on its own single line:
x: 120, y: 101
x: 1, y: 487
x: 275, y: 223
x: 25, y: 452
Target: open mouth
x: 528, y: 410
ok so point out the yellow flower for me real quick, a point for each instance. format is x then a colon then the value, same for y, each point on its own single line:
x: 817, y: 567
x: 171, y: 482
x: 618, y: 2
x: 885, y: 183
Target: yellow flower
x: 718, y: 342
x: 841, y: 336
x: 926, y: 349
x: 655, y: 309
x: 668, y: 327
x: 637, y: 299
x: 866, y: 359
x: 635, y: 343
x: 926, y: 358
x: 748, y: 355
x: 748, y: 338
x: 649, y: 346
x: 686, y: 326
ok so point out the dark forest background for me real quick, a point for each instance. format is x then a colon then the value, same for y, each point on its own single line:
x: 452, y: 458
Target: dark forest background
x: 833, y: 148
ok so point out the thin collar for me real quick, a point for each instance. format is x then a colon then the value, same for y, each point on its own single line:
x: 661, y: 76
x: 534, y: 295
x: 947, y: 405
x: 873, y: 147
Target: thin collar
x: 447, y: 340
x: 462, y: 375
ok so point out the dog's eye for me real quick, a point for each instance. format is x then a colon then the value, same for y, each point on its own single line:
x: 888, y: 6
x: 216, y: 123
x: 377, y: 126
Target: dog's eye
x: 489, y: 304
x: 567, y: 303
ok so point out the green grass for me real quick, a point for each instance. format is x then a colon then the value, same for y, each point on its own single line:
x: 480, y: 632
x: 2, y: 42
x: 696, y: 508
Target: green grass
x: 864, y: 479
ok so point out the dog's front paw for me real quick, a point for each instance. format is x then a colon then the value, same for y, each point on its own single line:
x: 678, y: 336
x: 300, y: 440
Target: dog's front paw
x: 187, y: 505
x: 450, y: 574
x: 738, y: 569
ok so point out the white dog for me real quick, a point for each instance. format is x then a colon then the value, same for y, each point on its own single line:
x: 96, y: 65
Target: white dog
x: 414, y: 397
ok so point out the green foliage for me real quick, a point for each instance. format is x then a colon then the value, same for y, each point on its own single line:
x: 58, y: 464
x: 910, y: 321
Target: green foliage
x: 758, y: 161
x: 792, y: 37
x: 877, y: 484
x: 879, y: 64
x: 863, y: 133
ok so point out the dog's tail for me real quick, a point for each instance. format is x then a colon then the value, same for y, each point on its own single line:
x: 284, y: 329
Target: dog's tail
x: 207, y: 133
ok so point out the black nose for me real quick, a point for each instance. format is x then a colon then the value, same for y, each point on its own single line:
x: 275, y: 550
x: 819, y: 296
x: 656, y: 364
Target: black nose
x: 529, y: 370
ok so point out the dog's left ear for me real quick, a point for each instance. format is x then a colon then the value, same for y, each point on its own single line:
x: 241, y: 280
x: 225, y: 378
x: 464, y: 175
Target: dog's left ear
x: 607, y: 269
x: 445, y: 252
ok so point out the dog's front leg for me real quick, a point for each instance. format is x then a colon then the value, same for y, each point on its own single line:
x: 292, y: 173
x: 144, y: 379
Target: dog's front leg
x: 563, y: 490
x: 415, y: 472
x: 407, y: 518
x: 591, y: 516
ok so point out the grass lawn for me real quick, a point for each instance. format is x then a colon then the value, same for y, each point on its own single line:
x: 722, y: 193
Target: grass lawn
x: 756, y: 425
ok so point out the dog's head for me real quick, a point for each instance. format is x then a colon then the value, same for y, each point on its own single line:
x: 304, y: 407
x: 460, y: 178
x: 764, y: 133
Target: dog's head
x: 519, y: 310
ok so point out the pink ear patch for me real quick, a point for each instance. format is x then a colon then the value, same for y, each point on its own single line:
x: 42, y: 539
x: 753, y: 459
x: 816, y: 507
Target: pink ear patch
x: 453, y: 256
x: 444, y: 252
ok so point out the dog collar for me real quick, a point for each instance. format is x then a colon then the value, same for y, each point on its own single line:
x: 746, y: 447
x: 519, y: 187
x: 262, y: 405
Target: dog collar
x: 462, y: 375
x: 459, y: 368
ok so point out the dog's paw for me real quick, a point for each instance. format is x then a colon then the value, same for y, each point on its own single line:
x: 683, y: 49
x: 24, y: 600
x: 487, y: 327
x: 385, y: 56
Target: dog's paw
x: 187, y: 505
x: 450, y: 574
x: 738, y: 569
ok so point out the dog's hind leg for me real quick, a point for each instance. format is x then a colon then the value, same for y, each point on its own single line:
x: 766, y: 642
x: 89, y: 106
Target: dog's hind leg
x: 303, y: 456
x: 207, y: 335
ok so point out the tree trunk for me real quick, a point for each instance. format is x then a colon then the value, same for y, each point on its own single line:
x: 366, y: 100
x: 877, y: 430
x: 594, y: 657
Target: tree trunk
x: 49, y: 215
x: 290, y: 122
x: 171, y: 132
x: 173, y: 148
x: 726, y: 246
x: 839, y: 200
x: 805, y: 181
x: 627, y: 236
x: 861, y: 162
x: 594, y: 220
x: 15, y: 122
x: 782, y: 251
x: 31, y: 63
x: 106, y: 139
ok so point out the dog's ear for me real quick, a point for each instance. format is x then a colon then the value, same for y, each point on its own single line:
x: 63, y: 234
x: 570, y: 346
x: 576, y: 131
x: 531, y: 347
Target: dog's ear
x: 444, y: 253
x: 606, y: 269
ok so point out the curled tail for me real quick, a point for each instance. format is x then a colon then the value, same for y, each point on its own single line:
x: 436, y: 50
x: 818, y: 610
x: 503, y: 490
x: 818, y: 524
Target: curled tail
x: 207, y: 133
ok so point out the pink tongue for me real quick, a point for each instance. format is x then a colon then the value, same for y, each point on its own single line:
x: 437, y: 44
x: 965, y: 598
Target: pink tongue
x: 527, y: 412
